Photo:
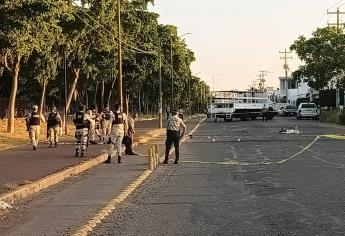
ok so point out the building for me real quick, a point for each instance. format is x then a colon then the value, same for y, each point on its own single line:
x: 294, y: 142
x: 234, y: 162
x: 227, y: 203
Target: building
x: 290, y: 90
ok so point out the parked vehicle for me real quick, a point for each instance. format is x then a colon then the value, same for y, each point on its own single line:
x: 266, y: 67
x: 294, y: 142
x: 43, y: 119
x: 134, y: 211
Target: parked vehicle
x: 289, y: 110
x: 307, y: 110
x: 245, y: 105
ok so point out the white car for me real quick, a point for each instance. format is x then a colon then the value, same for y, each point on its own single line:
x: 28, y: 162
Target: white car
x: 307, y: 110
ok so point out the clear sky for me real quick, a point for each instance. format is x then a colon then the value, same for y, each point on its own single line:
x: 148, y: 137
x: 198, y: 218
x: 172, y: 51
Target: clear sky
x: 233, y: 40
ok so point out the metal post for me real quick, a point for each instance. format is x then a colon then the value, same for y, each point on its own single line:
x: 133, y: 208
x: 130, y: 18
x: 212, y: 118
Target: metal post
x: 65, y: 111
x: 171, y: 73
x: 160, y: 88
x: 189, y: 106
x: 119, y: 55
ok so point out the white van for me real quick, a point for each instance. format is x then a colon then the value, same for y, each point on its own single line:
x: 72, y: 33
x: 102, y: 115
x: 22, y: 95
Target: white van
x: 307, y: 110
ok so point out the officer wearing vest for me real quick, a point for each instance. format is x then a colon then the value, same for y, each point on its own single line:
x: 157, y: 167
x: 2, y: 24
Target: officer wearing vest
x: 82, y: 124
x: 173, y: 135
x: 119, y: 127
x: 33, y: 123
x: 92, y: 114
x: 54, y: 125
x: 107, y: 123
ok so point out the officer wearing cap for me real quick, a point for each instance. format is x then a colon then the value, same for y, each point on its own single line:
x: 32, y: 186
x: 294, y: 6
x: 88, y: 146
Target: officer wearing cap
x: 82, y: 126
x: 174, y: 136
x: 33, y: 122
x: 119, y: 126
x: 54, y: 125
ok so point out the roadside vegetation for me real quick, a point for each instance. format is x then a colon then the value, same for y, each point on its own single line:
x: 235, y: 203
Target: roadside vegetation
x: 42, y: 41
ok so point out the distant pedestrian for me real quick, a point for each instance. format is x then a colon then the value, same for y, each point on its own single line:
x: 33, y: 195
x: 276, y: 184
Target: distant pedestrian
x: 264, y: 113
x: 106, y: 123
x: 174, y: 136
x: 167, y: 111
x: 54, y: 125
x: 119, y: 126
x: 33, y: 122
x: 82, y: 124
x: 130, y: 135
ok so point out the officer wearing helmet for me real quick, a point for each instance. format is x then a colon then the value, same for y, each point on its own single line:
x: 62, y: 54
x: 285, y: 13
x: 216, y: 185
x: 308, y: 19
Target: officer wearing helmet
x: 119, y: 126
x: 33, y: 122
x: 174, y: 136
x: 54, y: 125
x: 82, y: 124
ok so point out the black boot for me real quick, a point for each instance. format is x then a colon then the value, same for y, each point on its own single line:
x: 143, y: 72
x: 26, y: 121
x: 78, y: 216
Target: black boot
x: 119, y: 159
x: 55, y: 144
x: 108, y: 160
x: 176, y: 161
x: 34, y: 148
x: 165, y: 161
x: 50, y: 145
x: 76, y: 153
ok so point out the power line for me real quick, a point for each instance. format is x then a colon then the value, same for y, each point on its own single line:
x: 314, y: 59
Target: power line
x: 112, y: 34
x: 337, y: 24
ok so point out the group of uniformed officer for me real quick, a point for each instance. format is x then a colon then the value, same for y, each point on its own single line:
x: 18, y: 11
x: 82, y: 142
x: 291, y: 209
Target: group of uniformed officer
x: 110, y: 126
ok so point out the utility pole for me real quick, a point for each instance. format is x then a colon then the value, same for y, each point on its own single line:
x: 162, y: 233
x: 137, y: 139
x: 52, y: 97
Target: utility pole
x: 160, y: 87
x: 261, y: 75
x: 338, y: 13
x: 119, y: 55
x: 65, y: 112
x: 171, y: 73
x: 286, y: 68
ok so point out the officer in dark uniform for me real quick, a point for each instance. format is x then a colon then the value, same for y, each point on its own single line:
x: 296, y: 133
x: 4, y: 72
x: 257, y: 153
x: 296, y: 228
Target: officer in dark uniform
x: 82, y: 125
x: 174, y: 136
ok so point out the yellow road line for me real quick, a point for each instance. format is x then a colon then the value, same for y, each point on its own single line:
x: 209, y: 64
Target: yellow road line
x: 111, y: 206
x: 107, y: 209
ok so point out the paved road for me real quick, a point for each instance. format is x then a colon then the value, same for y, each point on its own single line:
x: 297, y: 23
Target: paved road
x: 255, y: 186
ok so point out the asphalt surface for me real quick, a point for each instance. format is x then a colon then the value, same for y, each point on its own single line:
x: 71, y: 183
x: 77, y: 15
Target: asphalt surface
x: 63, y: 208
x: 243, y: 178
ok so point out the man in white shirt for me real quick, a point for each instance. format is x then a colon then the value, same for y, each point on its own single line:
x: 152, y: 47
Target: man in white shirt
x: 174, y: 136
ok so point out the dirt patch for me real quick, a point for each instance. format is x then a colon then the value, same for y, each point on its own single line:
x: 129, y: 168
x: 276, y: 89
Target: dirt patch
x: 21, y: 135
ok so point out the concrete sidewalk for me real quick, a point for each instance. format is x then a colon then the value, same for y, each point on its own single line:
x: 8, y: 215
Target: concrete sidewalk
x: 21, y: 165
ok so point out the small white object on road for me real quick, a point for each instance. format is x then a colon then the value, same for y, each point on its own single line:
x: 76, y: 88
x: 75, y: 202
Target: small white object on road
x: 213, y: 140
x: 4, y: 205
x: 238, y: 140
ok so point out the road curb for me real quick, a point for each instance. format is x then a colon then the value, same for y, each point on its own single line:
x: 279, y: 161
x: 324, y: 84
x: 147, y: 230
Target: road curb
x: 52, y: 179
x: 114, y: 203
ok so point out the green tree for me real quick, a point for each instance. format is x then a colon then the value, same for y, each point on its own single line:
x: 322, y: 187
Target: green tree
x: 323, y: 57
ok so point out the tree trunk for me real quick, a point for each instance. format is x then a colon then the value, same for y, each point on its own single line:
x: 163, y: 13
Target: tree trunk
x: 72, y: 89
x: 43, y: 95
x: 95, y: 96
x: 110, y: 92
x: 102, y: 96
x: 12, y: 102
